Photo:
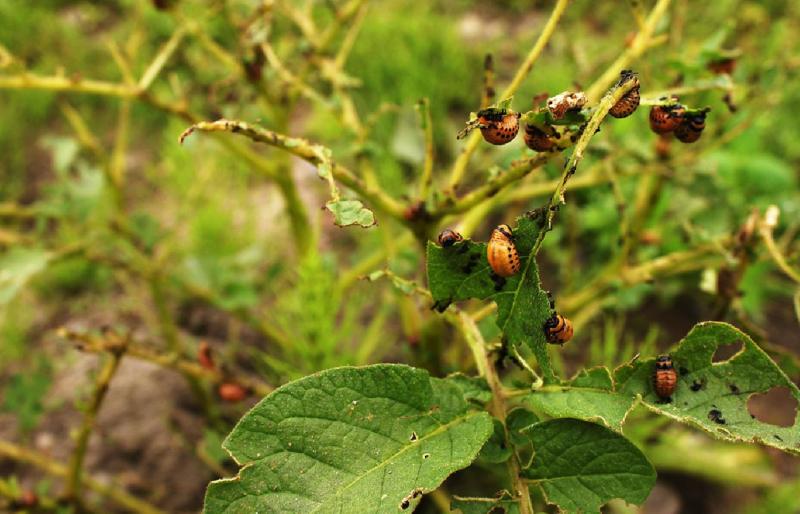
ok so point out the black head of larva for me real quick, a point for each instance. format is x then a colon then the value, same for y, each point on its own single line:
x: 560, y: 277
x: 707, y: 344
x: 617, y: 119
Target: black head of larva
x: 449, y: 237
x: 505, y: 230
x: 664, y: 362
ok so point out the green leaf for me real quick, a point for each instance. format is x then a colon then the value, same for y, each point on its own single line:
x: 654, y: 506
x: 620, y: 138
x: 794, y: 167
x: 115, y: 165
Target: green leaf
x: 485, y: 505
x: 17, y: 267
x: 589, y: 396
x: 462, y: 272
x: 580, y: 466
x: 496, y: 451
x: 474, y: 389
x: 713, y: 395
x: 516, y: 421
x: 368, y: 439
x: 350, y: 212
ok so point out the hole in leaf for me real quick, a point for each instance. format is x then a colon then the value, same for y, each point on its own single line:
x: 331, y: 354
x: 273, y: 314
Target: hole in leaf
x: 413, y: 437
x: 775, y: 407
x: 726, y: 351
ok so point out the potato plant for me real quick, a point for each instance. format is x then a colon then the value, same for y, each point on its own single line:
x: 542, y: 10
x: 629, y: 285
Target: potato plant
x: 288, y: 205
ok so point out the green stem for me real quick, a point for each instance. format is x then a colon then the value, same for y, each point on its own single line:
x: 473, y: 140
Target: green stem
x: 460, y: 166
x: 641, y: 43
x: 75, y: 470
x: 56, y: 469
x: 589, y: 130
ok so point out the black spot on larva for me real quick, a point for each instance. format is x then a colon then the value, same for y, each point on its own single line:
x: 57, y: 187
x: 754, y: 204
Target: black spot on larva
x: 683, y: 371
x: 776, y: 436
x: 405, y: 504
x: 236, y: 129
x: 716, y: 416
x: 734, y: 388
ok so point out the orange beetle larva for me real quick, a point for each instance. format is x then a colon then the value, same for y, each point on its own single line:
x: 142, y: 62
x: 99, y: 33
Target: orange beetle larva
x: 665, y: 378
x: 691, y: 128
x: 498, y: 127
x: 537, y: 140
x: 449, y: 237
x: 665, y: 118
x: 502, y: 252
x: 557, y: 329
x: 628, y: 103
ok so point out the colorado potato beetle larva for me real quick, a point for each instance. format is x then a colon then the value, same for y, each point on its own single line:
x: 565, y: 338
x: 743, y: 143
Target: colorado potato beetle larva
x: 501, y: 252
x: 449, y: 237
x: 665, y: 378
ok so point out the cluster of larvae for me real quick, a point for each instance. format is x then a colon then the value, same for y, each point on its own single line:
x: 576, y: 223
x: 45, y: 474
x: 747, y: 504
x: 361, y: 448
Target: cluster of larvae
x: 504, y: 260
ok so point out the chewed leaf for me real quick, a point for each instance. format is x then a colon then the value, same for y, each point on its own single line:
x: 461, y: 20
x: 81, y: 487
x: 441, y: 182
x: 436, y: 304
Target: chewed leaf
x: 580, y: 466
x: 350, y: 212
x: 713, y: 395
x: 589, y: 396
x: 462, y: 271
x: 371, y: 439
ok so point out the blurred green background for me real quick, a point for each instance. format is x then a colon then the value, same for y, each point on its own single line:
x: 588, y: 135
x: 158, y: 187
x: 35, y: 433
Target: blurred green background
x: 107, y: 222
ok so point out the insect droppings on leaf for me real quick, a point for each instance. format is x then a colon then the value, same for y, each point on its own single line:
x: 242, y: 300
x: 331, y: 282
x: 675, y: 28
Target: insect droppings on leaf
x: 715, y: 415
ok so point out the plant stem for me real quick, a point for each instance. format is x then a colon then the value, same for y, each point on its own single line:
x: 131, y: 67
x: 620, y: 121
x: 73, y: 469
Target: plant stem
x: 517, y: 171
x: 89, y: 343
x: 589, y: 130
x: 307, y: 151
x: 74, y: 484
x: 640, y: 44
x: 424, y: 109
x: 497, y: 407
x: 460, y: 166
x: 56, y: 469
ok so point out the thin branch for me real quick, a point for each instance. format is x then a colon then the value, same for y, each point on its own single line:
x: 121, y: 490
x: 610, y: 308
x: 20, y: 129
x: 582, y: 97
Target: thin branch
x: 589, y: 130
x: 518, y: 170
x: 460, y: 165
x: 424, y: 108
x: 75, y: 471
x: 56, y: 469
x: 766, y: 226
x: 90, y: 343
x: 307, y: 151
x: 641, y: 43
x: 161, y: 58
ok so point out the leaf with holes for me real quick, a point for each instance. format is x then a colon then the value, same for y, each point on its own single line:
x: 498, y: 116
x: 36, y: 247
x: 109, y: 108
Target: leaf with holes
x: 713, y: 395
x: 371, y: 439
x: 589, y: 396
x: 580, y: 466
x: 462, y: 272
